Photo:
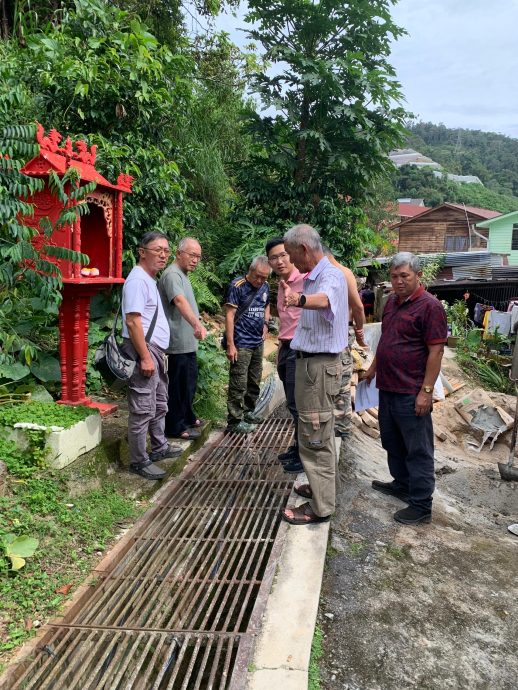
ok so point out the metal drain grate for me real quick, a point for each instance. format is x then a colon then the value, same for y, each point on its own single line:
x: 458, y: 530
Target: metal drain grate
x: 179, y: 607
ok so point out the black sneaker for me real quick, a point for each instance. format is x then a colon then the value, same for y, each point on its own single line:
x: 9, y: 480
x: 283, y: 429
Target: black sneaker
x: 391, y: 490
x: 168, y: 452
x: 288, y: 455
x: 147, y: 470
x: 293, y: 467
x: 412, y: 516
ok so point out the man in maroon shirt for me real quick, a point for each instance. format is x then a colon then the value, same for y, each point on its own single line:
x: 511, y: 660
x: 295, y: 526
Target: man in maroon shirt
x: 407, y: 364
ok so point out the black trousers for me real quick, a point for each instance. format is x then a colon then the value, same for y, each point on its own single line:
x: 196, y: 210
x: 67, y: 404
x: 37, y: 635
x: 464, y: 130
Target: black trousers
x: 183, y: 377
x: 286, y: 364
x: 408, y: 440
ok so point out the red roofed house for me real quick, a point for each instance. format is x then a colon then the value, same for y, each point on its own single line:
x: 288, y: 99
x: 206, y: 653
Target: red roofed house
x: 445, y: 228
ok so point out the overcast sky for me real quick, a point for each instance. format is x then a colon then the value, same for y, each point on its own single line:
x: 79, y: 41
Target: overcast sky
x: 459, y: 63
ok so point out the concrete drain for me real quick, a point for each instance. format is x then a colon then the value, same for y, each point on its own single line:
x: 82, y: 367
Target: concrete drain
x: 179, y: 606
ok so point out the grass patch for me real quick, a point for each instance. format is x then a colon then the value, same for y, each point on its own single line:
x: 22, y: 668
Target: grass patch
x: 70, y: 531
x: 397, y: 552
x: 316, y: 655
x: 356, y: 549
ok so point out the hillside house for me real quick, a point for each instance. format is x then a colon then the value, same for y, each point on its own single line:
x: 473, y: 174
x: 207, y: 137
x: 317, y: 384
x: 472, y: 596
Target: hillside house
x: 445, y: 228
x: 503, y: 235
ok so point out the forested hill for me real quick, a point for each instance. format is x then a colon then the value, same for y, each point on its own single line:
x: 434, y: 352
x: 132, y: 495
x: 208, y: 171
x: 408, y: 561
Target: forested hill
x: 492, y: 157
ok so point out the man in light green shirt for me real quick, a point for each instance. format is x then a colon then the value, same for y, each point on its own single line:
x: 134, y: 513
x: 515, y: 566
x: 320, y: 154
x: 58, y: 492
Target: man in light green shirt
x: 186, y: 330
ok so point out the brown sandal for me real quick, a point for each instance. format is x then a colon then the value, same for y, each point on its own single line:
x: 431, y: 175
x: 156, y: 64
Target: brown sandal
x: 303, y: 515
x: 303, y: 490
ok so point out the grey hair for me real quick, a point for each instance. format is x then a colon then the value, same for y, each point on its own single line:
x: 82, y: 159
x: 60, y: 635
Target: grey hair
x: 403, y: 258
x: 259, y: 260
x: 303, y: 234
x: 183, y: 242
x: 151, y: 237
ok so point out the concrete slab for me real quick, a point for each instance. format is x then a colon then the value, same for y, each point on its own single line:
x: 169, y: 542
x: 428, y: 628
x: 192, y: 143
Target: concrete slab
x: 283, y: 647
x: 65, y: 446
x: 267, y: 679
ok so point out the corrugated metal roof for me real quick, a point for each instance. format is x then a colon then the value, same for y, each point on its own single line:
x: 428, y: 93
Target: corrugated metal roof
x: 505, y: 272
x: 484, y: 212
x: 473, y: 272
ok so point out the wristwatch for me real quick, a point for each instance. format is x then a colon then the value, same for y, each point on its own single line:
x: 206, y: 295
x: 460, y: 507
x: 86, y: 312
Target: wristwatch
x: 428, y: 389
x: 302, y: 300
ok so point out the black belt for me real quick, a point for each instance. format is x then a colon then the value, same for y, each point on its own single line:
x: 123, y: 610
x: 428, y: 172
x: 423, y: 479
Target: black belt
x: 304, y: 355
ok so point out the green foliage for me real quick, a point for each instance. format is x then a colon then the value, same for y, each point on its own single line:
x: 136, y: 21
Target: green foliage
x: 431, y: 269
x: 29, y: 283
x: 333, y: 93
x: 481, y: 360
x: 17, y: 549
x: 316, y: 655
x: 492, y: 157
x: 210, y: 400
x: 204, y: 282
x: 413, y: 182
x: 70, y: 531
x: 457, y: 316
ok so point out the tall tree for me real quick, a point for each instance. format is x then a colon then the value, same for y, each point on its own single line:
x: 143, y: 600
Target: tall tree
x: 334, y: 98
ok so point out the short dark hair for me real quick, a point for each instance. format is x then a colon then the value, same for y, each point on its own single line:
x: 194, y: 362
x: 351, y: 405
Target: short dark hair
x: 273, y: 243
x: 151, y: 237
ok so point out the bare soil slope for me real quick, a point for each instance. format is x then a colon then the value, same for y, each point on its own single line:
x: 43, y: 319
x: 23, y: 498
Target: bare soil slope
x: 429, y: 607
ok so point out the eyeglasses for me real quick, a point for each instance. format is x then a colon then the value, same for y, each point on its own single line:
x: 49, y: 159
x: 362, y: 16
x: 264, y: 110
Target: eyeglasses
x: 278, y: 257
x: 197, y: 257
x: 157, y: 251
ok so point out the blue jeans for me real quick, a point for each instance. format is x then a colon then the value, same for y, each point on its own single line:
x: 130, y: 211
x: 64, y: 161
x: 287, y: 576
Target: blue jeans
x: 408, y: 440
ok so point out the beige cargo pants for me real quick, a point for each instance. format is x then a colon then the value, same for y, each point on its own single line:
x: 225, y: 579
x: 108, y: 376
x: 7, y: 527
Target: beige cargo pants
x: 317, y: 382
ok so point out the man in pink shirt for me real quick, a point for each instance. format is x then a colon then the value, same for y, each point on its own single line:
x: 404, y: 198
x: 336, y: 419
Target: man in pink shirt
x: 280, y: 263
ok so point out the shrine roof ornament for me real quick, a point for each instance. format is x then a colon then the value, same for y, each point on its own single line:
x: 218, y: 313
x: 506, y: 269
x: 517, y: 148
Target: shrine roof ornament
x: 70, y: 154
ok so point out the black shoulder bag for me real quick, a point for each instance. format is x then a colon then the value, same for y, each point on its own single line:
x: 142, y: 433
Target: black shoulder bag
x: 110, y: 361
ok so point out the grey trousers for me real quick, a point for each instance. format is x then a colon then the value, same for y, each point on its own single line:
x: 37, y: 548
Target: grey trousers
x: 317, y: 382
x: 147, y: 405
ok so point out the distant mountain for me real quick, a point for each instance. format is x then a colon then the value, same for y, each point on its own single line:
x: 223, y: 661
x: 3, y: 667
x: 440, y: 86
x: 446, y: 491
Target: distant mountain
x: 491, y: 157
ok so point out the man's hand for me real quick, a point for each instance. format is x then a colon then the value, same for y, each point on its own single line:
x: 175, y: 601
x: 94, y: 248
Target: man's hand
x: 423, y: 403
x: 232, y: 354
x: 200, y: 333
x: 369, y: 374
x: 147, y: 366
x: 265, y: 331
x: 291, y: 298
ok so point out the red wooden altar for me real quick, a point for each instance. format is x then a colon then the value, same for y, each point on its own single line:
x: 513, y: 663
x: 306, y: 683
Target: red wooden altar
x: 97, y: 234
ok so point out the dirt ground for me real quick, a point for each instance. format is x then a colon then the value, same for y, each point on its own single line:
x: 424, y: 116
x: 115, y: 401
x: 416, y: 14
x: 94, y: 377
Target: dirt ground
x: 434, y: 606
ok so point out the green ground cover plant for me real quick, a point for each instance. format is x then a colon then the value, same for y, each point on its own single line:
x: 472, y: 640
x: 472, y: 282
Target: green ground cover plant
x: 68, y: 534
x: 44, y: 413
x: 316, y: 655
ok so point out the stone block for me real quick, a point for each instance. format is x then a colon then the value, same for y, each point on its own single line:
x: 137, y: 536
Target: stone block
x: 65, y: 446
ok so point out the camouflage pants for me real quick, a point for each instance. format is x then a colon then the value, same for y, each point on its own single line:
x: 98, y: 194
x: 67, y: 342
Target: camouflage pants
x: 343, y: 399
x: 243, y: 383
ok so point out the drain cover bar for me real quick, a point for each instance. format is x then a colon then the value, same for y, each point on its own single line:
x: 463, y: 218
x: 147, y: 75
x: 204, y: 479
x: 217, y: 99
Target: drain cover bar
x: 179, y: 607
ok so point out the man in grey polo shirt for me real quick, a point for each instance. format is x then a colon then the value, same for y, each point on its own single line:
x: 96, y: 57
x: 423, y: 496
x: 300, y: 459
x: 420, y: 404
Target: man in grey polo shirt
x: 185, y: 332
x: 319, y: 340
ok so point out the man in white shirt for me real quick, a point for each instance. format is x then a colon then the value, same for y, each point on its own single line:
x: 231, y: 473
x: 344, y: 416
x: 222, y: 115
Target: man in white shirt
x: 147, y: 390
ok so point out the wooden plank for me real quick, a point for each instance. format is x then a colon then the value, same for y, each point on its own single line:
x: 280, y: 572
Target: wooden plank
x: 373, y: 433
x: 368, y: 420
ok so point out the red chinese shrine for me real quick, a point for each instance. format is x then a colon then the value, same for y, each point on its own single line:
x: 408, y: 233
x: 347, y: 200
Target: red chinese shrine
x: 97, y: 234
